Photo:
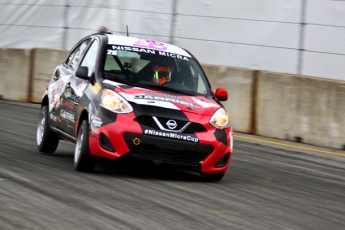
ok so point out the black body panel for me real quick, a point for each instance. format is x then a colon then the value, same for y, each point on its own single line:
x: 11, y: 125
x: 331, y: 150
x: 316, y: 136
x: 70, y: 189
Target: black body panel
x: 167, y: 150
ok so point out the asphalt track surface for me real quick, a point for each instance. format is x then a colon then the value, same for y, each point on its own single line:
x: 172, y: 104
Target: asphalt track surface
x: 266, y: 187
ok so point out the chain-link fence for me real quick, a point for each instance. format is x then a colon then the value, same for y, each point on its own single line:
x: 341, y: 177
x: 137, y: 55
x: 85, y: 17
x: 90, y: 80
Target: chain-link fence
x: 291, y: 36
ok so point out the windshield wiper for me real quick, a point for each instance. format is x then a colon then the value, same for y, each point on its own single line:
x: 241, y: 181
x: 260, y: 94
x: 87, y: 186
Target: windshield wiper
x: 167, y: 88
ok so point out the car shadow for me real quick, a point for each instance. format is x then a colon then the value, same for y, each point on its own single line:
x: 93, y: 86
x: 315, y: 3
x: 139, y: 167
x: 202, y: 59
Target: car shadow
x: 129, y: 167
x: 142, y: 169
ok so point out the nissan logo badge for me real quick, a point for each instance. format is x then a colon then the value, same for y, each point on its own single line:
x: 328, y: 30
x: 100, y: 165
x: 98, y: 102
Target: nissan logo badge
x: 171, y: 124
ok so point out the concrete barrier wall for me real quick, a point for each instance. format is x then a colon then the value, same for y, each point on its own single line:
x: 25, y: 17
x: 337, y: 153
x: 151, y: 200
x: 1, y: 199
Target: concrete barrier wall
x: 44, y: 62
x: 14, y: 74
x: 306, y: 109
x: 239, y: 83
x: 283, y: 106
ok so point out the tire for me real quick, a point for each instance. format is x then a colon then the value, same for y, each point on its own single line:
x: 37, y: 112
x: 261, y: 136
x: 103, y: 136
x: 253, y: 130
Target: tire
x: 213, y: 177
x: 47, y: 141
x: 83, y: 160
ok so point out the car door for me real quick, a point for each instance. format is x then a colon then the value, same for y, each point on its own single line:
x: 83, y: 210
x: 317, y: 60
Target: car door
x: 73, y: 87
x: 62, y: 104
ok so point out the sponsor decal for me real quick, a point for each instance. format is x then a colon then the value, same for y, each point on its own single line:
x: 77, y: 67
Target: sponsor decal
x: 150, y: 44
x: 74, y: 99
x: 151, y: 96
x: 55, y: 90
x: 96, y: 121
x: 129, y: 48
x: 68, y: 92
x: 96, y: 87
x: 67, y: 115
x: 171, y: 135
x: 112, y: 52
x: 53, y: 117
x: 79, y: 89
x: 69, y: 105
x: 114, y: 49
x: 82, y: 86
x: 58, y: 104
x: 172, y: 55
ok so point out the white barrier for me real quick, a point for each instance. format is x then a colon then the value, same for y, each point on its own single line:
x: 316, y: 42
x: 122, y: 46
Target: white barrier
x: 298, y: 108
x: 44, y: 62
x: 290, y: 107
x: 14, y: 74
x: 239, y: 84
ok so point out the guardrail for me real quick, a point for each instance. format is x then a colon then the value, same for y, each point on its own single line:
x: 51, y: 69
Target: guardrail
x: 284, y: 106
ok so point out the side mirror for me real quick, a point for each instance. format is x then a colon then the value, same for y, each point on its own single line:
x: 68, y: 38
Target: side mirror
x: 221, y: 94
x: 82, y: 72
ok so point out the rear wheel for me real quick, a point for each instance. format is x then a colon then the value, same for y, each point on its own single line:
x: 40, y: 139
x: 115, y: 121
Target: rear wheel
x: 47, y: 140
x: 213, y: 177
x: 83, y: 160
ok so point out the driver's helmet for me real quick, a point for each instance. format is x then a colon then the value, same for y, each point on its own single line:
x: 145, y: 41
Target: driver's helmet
x: 161, y: 74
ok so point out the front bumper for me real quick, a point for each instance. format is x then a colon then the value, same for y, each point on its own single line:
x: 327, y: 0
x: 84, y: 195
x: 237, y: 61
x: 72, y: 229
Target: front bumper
x: 125, y: 136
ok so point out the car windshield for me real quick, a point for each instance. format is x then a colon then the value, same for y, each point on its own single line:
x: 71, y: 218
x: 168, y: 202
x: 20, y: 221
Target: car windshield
x: 154, y: 69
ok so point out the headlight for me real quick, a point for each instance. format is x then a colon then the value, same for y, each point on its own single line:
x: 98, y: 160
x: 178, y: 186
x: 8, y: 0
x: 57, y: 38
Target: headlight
x: 114, y: 102
x: 220, y: 119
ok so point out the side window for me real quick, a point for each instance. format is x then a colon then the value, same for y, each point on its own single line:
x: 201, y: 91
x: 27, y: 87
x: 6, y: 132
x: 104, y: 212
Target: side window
x: 201, y: 85
x: 91, y: 56
x: 77, y: 53
x: 199, y: 81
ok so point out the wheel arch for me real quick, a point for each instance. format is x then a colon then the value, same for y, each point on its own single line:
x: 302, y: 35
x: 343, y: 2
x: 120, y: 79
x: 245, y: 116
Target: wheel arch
x: 84, y: 115
x: 45, y: 101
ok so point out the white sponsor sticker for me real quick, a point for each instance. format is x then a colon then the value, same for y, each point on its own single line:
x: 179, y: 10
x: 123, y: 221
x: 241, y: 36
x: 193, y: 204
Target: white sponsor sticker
x: 171, y: 135
x: 53, y: 117
x: 137, y: 98
x: 67, y: 116
x: 143, y: 50
x: 96, y: 121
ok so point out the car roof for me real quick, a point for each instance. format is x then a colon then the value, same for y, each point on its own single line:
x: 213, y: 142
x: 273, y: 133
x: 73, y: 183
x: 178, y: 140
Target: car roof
x: 145, y: 44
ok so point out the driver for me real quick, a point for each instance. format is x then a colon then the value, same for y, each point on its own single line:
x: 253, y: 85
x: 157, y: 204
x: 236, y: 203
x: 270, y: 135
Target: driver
x: 161, y: 74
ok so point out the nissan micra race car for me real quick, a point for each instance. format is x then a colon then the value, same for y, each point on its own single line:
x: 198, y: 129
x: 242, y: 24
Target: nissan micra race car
x: 117, y: 96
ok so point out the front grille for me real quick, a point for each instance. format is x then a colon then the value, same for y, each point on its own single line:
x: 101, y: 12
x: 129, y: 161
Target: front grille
x: 148, y: 121
x: 151, y: 152
x: 170, y: 151
x: 194, y: 127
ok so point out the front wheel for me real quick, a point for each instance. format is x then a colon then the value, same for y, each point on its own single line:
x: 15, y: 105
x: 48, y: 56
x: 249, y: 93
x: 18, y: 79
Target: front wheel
x: 47, y: 141
x: 83, y: 160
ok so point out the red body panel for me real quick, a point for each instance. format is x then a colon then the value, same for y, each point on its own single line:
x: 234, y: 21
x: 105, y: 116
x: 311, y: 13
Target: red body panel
x: 114, y: 131
x: 125, y: 123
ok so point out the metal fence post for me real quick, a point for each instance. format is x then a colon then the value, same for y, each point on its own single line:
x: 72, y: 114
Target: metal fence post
x: 173, y: 18
x: 65, y: 26
x: 301, y: 37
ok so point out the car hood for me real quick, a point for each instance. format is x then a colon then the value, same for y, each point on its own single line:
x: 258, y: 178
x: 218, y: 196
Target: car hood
x: 165, y: 99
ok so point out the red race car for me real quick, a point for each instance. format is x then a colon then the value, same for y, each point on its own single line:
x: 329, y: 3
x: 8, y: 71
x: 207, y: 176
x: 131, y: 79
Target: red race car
x: 118, y: 95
